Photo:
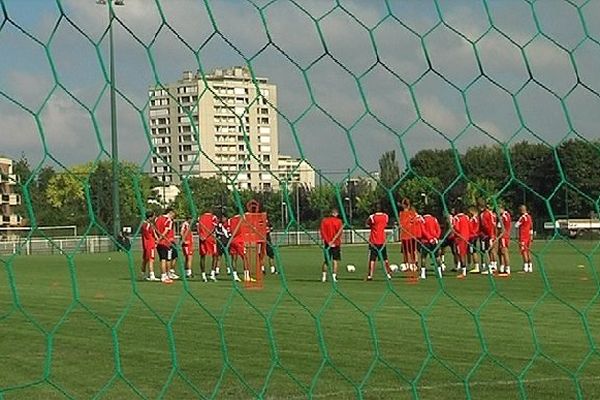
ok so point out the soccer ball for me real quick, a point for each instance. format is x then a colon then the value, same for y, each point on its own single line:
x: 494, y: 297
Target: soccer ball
x: 350, y: 268
x: 394, y: 267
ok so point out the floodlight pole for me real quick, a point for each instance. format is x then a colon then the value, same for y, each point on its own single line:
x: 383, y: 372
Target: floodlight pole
x: 113, y: 119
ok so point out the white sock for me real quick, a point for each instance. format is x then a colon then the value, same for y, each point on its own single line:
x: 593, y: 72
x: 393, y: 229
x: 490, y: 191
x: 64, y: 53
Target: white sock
x: 464, y: 271
x: 152, y: 276
x: 212, y: 273
x: 508, y: 269
x: 204, y: 275
x: 217, y: 270
x: 324, y: 277
x: 273, y: 270
x: 188, y: 272
x: 526, y: 267
x: 439, y: 271
x: 530, y: 267
x: 423, y: 273
x: 501, y: 268
x: 334, y: 276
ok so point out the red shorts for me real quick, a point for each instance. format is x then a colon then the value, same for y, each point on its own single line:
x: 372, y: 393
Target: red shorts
x: 462, y: 246
x: 208, y: 248
x: 187, y: 249
x: 237, y: 249
x: 524, y: 246
x: 504, y: 242
x: 149, y: 254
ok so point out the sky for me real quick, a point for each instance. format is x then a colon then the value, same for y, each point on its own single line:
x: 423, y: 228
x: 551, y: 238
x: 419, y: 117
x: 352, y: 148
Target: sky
x: 353, y: 76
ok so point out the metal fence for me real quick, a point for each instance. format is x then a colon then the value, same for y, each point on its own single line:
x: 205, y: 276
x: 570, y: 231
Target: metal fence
x: 101, y: 244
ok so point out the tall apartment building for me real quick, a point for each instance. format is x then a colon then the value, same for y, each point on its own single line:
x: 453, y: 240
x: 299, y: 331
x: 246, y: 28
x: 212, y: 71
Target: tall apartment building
x: 199, y: 128
x: 8, y: 199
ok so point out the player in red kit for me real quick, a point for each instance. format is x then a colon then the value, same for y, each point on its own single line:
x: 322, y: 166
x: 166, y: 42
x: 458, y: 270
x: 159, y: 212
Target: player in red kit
x: 148, y: 248
x: 187, y: 245
x: 377, y: 223
x: 525, y: 227
x: 237, y: 247
x: 504, y: 227
x: 487, y: 228
x: 430, y: 239
x: 408, y: 218
x: 207, y: 244
x: 331, y: 230
x: 462, y: 233
x: 473, y: 256
x: 448, y: 241
x: 167, y: 253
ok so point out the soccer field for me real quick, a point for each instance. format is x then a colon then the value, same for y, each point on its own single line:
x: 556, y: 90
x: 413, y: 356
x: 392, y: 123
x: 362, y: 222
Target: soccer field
x: 83, y: 328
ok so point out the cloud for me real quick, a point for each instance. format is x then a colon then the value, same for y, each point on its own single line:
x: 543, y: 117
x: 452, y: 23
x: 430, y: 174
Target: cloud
x: 163, y: 56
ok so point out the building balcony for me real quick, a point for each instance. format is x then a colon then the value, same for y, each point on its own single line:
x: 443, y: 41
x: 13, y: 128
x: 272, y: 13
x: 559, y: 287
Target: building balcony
x: 10, y: 179
x: 11, y: 199
x: 11, y: 220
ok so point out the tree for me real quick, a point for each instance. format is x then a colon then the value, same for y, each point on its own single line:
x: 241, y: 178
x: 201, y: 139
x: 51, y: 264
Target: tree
x: 134, y: 191
x: 579, y: 160
x: 204, y: 195
x: 389, y: 170
x: 389, y: 175
x: 440, y: 164
x: 420, y: 191
x: 487, y: 162
x: 320, y: 200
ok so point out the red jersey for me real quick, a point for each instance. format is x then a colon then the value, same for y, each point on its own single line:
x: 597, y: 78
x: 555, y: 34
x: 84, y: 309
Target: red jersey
x: 488, y: 224
x: 462, y: 226
x: 506, y: 220
x: 164, y: 229
x: 148, y: 235
x: 525, y: 226
x: 377, y: 222
x: 187, y: 238
x: 330, y: 228
x: 235, y: 228
x: 207, y: 223
x: 474, y: 227
x: 430, y: 229
x: 408, y: 220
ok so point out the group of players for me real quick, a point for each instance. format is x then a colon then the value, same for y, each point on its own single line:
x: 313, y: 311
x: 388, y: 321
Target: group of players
x: 216, y: 237
x: 477, y: 237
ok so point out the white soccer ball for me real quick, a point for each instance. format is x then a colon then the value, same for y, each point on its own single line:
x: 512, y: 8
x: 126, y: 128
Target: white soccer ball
x: 350, y: 268
x: 394, y: 267
x: 403, y: 267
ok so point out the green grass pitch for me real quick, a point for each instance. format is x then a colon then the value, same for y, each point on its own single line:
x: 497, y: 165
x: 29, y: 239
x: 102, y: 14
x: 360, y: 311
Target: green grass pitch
x: 83, y: 328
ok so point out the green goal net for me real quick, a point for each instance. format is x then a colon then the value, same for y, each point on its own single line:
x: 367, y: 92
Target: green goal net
x: 304, y: 106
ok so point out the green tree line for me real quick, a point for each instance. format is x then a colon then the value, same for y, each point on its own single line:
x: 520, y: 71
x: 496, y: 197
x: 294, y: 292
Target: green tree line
x: 553, y: 181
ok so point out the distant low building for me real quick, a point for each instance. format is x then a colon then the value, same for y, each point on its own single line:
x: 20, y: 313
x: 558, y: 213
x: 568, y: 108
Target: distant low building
x: 165, y: 194
x: 292, y: 169
x: 9, y: 200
